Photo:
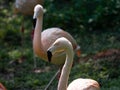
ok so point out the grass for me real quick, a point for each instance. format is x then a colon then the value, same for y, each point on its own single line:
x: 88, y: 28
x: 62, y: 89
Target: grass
x: 17, y: 65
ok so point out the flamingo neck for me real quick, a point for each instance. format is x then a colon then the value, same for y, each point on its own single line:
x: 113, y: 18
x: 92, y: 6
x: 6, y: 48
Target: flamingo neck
x: 37, y: 44
x: 62, y: 85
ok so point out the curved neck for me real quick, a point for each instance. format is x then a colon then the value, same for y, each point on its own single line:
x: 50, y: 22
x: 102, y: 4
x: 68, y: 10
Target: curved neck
x: 37, y: 45
x: 62, y: 85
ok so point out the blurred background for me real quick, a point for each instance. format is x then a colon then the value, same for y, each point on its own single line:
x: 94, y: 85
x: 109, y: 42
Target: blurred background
x: 95, y: 24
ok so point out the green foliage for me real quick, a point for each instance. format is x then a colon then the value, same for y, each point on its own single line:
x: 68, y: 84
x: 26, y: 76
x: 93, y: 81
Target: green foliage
x: 78, y: 15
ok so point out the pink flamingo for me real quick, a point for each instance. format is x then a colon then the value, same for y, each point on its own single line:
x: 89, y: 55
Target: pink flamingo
x: 43, y: 40
x: 64, y: 45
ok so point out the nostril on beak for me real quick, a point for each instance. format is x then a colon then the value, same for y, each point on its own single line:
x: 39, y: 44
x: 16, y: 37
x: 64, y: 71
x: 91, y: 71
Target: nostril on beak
x: 49, y: 55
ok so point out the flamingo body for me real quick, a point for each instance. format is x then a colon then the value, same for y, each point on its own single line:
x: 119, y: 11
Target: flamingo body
x: 48, y: 37
x: 83, y: 84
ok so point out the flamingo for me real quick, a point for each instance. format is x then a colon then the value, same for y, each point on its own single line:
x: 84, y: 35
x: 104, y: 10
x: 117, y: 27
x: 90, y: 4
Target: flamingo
x: 42, y: 40
x: 2, y: 87
x: 64, y: 45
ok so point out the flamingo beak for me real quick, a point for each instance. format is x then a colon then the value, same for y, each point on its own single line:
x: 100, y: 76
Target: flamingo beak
x: 34, y: 19
x: 51, y: 52
x: 49, y: 55
x: 34, y: 22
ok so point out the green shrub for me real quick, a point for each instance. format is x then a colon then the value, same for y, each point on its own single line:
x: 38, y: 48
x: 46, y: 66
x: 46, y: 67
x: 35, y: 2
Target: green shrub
x: 77, y: 15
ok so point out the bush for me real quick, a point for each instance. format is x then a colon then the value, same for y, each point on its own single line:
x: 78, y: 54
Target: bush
x: 78, y: 15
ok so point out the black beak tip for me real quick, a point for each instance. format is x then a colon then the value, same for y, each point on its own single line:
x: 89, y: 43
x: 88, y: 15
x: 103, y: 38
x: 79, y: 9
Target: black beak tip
x: 49, y: 55
x: 34, y: 23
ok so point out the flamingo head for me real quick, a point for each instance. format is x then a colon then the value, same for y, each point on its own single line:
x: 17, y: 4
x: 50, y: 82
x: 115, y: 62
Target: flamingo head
x: 60, y: 45
x: 38, y: 11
